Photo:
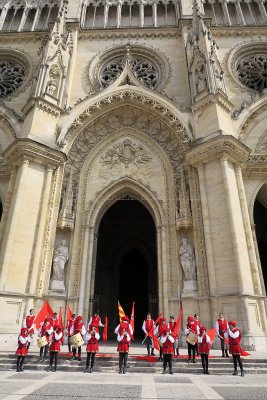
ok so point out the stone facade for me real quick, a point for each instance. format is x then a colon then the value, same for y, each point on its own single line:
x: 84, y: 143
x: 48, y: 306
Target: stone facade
x: 164, y: 102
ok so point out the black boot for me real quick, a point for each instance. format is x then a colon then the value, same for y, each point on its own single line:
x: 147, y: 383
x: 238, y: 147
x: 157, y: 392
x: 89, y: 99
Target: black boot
x: 235, y: 372
x: 152, y: 352
x: 242, y: 372
x: 18, y: 362
x: 226, y: 353
x: 21, y: 364
x: 177, y: 352
x: 223, y: 354
x: 28, y: 345
x: 170, y: 365
x: 148, y: 351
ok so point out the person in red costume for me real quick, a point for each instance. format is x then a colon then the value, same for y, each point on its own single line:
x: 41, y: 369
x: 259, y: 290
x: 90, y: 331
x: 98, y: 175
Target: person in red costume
x: 234, y: 336
x: 124, y: 340
x: 221, y: 328
x: 92, y: 339
x: 167, y: 349
x: 193, y: 327
x: 29, y: 324
x: 148, y: 328
x: 95, y: 320
x: 125, y: 321
x: 68, y: 328
x: 22, y: 348
x: 204, y: 349
x: 78, y: 327
x: 159, y: 331
x: 196, y: 319
x: 55, y: 321
x: 172, y: 325
x: 55, y: 346
x: 45, y: 330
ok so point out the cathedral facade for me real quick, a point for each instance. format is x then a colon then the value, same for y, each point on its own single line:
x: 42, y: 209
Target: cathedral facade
x: 133, y: 159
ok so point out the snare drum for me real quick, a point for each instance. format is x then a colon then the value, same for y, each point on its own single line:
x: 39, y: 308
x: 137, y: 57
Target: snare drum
x: 77, y: 340
x: 192, y: 338
x: 42, y: 341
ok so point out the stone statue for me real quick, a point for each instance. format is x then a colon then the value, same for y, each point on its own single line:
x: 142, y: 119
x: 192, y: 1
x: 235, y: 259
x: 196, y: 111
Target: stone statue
x: 188, y: 261
x: 51, y: 87
x: 201, y: 83
x: 61, y: 256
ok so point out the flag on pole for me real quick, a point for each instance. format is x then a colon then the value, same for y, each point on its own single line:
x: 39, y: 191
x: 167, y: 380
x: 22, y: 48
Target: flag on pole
x: 69, y: 315
x: 157, y: 320
x: 177, y: 326
x: 46, y: 311
x: 154, y: 337
x: 132, y: 319
x: 121, y: 312
x: 61, y: 325
x: 105, y: 332
x: 212, y: 333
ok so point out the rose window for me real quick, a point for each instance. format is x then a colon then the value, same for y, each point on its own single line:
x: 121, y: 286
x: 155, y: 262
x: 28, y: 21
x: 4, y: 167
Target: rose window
x: 252, y: 72
x: 12, y: 75
x: 144, y: 70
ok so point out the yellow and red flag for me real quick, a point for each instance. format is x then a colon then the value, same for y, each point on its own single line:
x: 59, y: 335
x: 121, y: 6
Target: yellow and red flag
x: 121, y: 312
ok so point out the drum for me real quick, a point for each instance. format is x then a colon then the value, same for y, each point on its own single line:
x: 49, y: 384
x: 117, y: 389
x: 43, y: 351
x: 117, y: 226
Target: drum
x: 192, y: 338
x: 77, y: 340
x: 42, y: 341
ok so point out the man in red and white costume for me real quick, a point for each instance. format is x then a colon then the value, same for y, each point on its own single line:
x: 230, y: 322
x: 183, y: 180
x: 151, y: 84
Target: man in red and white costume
x: 125, y: 321
x: 204, y: 349
x: 172, y: 325
x: 148, y: 328
x: 167, y: 349
x: 55, y: 346
x: 196, y: 319
x: 234, y: 336
x: 96, y: 321
x: 22, y: 348
x: 92, y: 338
x: 29, y: 324
x: 159, y: 331
x: 68, y: 328
x: 78, y: 327
x: 193, y: 327
x: 45, y: 330
x: 55, y: 321
x: 221, y: 328
x: 124, y: 340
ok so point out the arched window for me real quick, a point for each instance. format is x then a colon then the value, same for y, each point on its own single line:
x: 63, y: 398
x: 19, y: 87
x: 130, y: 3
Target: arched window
x: 135, y: 15
x: 112, y: 16
x: 247, y: 13
x: 219, y: 13
x: 89, y: 16
x: 233, y: 14
x: 42, y: 23
x: 99, y: 16
x: 125, y: 15
x: 161, y: 14
x: 30, y: 19
x: 9, y: 19
x: 171, y: 14
x: 148, y: 15
x: 256, y: 12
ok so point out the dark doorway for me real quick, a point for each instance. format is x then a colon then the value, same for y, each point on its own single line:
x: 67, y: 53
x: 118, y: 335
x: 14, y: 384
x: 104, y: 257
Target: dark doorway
x: 126, y: 263
x: 260, y: 220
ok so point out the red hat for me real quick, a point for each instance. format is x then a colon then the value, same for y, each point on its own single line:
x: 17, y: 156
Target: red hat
x: 57, y: 327
x: 24, y: 331
x: 203, y: 328
x: 48, y: 320
x: 166, y: 329
x: 79, y: 318
x: 232, y: 323
x: 94, y: 325
x: 190, y: 319
x: 125, y: 318
x: 162, y: 320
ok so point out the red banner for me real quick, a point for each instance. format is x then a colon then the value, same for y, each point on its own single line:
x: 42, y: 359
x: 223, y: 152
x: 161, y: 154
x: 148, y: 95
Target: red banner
x: 175, y: 332
x: 132, y: 320
x: 46, y: 311
x: 105, y: 332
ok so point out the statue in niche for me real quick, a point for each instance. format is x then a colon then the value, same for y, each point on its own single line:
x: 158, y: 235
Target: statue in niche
x: 188, y: 261
x: 51, y: 87
x: 201, y: 83
x: 219, y: 79
x: 61, y: 256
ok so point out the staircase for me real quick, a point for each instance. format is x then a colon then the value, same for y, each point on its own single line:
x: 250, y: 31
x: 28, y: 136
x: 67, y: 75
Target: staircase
x: 110, y: 364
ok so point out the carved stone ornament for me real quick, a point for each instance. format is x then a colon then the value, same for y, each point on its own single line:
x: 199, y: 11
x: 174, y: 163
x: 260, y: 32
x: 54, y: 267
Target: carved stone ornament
x: 252, y: 71
x: 12, y: 75
x: 126, y: 154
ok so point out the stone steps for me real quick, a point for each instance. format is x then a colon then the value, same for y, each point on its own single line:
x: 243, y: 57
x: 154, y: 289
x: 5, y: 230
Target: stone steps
x: 110, y: 364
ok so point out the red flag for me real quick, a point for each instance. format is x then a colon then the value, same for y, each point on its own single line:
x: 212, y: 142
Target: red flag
x: 69, y: 315
x: 156, y: 343
x: 132, y: 319
x: 46, y: 311
x: 157, y: 320
x: 177, y: 326
x: 212, y: 334
x: 105, y: 332
x: 244, y: 353
x: 61, y: 325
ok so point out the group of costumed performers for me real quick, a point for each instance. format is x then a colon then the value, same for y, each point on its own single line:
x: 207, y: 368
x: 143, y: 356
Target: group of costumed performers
x: 164, y: 333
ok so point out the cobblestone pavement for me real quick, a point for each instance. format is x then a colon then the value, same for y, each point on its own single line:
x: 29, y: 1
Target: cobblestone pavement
x: 102, y: 385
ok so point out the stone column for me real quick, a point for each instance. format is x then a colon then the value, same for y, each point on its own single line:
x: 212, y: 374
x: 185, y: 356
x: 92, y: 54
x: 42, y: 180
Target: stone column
x: 240, y: 12
x: 106, y: 15
x: 247, y: 227
x: 36, y: 18
x: 262, y: 10
x: 32, y: 277
x: 7, y: 201
x: 207, y: 230
x: 84, y: 269
x: 159, y: 252
x: 165, y: 271
x: 155, y: 14
x: 142, y: 17
x: 226, y: 12
x: 23, y: 19
x: 83, y: 16
x: 12, y: 220
x: 232, y: 222
x: 3, y: 17
x: 118, y: 15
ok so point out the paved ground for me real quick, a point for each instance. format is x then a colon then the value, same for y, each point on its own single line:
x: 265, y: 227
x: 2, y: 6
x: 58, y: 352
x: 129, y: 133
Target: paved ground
x: 77, y: 385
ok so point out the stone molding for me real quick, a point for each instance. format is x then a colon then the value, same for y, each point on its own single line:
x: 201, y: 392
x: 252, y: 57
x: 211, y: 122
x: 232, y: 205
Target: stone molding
x: 42, y: 105
x: 216, y: 98
x: 256, y: 165
x: 217, y: 147
x: 28, y: 149
x: 132, y: 33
